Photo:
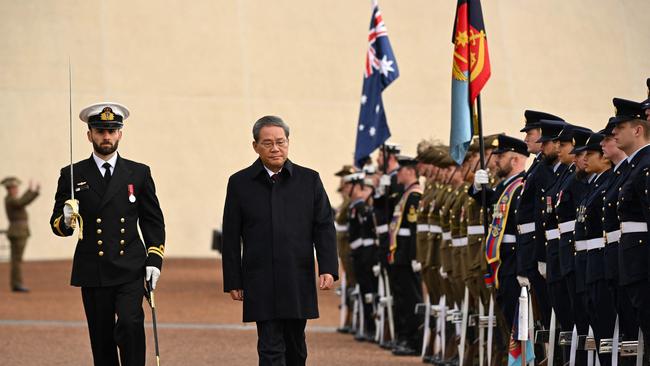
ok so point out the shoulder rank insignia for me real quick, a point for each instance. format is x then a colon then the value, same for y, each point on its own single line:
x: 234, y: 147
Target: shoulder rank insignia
x: 412, y: 215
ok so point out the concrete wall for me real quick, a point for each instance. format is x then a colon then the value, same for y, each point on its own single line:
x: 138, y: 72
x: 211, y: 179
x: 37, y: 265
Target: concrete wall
x: 196, y: 75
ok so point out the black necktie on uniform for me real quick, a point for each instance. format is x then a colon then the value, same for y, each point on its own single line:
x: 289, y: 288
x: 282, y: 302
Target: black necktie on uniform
x: 275, y: 177
x: 107, y: 175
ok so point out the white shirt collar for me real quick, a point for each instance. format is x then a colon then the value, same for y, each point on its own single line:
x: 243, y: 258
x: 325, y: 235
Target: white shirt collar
x: 629, y: 158
x: 270, y: 172
x: 557, y: 165
x: 618, y: 165
x: 100, y: 162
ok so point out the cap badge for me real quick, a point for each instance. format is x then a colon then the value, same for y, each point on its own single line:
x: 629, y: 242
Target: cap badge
x: 107, y: 114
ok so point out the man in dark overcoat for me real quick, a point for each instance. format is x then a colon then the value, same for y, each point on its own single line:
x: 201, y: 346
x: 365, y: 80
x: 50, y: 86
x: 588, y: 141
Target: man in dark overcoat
x: 276, y: 213
x: 113, y: 198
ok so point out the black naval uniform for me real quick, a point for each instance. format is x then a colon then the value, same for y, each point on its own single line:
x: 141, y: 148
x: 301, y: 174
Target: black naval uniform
x: 634, y: 215
x: 628, y: 324
x: 599, y: 300
x: 384, y: 205
x: 363, y: 249
x: 531, y: 235
x: 109, y: 262
x: 405, y: 284
x: 557, y: 289
x: 507, y: 294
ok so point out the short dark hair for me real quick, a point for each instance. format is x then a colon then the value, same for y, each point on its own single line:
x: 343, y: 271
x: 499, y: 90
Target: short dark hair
x: 644, y: 124
x: 269, y: 121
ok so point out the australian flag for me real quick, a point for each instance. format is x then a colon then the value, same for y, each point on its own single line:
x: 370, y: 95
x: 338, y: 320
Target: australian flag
x: 381, y: 70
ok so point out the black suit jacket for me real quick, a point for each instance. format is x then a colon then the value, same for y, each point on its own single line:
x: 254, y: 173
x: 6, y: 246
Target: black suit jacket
x: 634, y: 205
x: 111, y: 251
x: 270, y: 231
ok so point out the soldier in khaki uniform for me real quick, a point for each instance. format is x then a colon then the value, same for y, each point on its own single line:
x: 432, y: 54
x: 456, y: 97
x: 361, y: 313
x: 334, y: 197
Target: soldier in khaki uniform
x: 18, y: 230
x: 424, y: 237
x: 342, y: 235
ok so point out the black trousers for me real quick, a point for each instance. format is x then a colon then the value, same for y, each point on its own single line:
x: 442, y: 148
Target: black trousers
x: 407, y: 291
x: 363, y: 259
x: 639, y: 295
x: 508, y: 298
x: 561, y: 302
x: 281, y: 342
x: 602, y: 314
x: 102, y: 305
x: 579, y: 313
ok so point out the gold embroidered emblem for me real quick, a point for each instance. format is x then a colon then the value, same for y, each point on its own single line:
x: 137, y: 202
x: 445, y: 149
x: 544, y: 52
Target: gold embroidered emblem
x: 107, y: 114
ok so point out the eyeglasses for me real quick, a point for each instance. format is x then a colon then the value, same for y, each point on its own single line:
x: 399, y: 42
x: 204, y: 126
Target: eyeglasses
x: 279, y: 143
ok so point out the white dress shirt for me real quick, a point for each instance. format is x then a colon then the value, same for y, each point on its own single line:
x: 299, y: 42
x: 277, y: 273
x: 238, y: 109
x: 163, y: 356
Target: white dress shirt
x: 100, y: 162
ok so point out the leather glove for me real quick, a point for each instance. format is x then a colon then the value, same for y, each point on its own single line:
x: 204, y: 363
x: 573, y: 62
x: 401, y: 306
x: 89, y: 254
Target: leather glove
x: 480, y: 178
x: 376, y: 270
x: 541, y: 267
x: 416, y: 266
x: 443, y: 274
x: 523, y: 281
x: 70, y: 213
x: 152, y: 274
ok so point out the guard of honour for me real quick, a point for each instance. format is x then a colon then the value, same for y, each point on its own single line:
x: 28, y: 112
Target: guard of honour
x: 561, y: 275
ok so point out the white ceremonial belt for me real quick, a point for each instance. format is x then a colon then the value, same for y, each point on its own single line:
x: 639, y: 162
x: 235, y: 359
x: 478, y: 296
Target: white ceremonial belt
x: 526, y: 228
x: 475, y: 230
x: 595, y: 243
x: 633, y: 227
x: 552, y: 234
x: 382, y: 229
x: 404, y: 232
x: 567, y: 226
x: 361, y: 242
x: 446, y: 235
x: 613, y: 236
x: 435, y: 229
x: 340, y: 228
x: 423, y: 228
x: 459, y: 242
x: 581, y: 245
x: 508, y: 238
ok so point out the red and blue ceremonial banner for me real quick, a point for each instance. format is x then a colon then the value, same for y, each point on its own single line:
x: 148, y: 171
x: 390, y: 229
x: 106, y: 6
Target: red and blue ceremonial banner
x: 381, y: 70
x: 514, y: 347
x: 496, y: 231
x: 470, y: 72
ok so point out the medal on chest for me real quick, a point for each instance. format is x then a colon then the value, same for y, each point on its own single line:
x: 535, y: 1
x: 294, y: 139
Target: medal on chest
x: 131, y: 193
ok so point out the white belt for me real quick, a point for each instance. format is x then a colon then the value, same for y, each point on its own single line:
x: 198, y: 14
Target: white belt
x: 475, y: 230
x: 633, y: 227
x: 423, y: 228
x: 404, y: 232
x: 382, y: 229
x: 552, y: 234
x: 595, y: 243
x: 613, y: 236
x: 446, y: 235
x: 567, y: 226
x: 509, y: 238
x: 361, y: 242
x: 435, y: 229
x: 459, y: 242
x: 526, y: 228
x: 340, y: 228
x: 581, y: 245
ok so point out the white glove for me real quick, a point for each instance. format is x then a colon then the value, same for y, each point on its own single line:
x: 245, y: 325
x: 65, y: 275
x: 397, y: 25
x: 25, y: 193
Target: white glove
x: 416, y: 266
x: 376, y: 269
x: 480, y: 178
x: 70, y: 209
x: 152, y: 274
x: 541, y: 267
x: 523, y: 281
x: 443, y: 274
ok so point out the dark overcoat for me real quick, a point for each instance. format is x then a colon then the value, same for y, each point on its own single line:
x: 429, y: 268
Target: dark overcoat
x: 111, y: 251
x: 270, y: 231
